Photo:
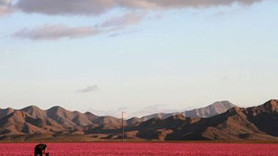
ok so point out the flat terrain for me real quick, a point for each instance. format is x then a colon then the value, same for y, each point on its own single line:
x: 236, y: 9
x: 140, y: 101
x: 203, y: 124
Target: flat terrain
x: 142, y: 149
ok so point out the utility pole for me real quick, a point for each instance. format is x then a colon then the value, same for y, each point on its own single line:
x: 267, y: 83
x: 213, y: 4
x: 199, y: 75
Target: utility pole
x: 229, y: 133
x: 123, y: 127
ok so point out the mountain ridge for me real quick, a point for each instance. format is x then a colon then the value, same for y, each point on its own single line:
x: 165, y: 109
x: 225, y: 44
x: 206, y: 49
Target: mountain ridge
x: 238, y: 124
x: 215, y: 108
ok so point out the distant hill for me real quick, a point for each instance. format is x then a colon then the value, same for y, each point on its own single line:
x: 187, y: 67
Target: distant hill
x: 205, y: 112
x: 208, y: 123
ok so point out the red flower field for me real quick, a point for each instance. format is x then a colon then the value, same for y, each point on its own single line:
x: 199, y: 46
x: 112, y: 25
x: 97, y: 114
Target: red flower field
x: 142, y: 149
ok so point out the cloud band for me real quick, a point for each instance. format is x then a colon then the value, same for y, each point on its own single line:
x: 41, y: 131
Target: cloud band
x: 95, y: 7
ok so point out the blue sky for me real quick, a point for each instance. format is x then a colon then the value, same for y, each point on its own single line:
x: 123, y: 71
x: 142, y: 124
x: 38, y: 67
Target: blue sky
x: 137, y: 56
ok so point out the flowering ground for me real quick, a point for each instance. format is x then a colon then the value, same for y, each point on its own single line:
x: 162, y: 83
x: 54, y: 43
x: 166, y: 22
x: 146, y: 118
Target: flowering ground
x: 142, y: 149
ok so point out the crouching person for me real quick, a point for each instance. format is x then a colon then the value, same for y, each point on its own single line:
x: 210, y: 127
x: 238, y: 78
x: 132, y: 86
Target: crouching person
x: 41, y: 150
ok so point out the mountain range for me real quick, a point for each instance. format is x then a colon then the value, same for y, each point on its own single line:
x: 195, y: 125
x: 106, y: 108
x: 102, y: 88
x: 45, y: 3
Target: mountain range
x: 205, y: 112
x: 219, y: 121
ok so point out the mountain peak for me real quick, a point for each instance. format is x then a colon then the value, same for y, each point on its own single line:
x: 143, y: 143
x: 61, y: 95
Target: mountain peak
x: 271, y: 105
x: 56, y: 109
x: 223, y: 103
x: 34, y: 111
x: 88, y: 113
x: 31, y: 107
x: 60, y: 111
x: 211, y: 110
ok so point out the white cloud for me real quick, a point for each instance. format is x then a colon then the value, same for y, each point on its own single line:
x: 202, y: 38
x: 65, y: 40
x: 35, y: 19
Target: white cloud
x: 95, y: 7
x: 88, y: 89
x: 136, y: 12
x: 128, y: 19
x: 53, y: 32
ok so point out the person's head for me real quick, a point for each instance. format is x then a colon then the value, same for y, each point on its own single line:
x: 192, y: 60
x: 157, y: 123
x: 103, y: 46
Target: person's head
x: 40, y: 149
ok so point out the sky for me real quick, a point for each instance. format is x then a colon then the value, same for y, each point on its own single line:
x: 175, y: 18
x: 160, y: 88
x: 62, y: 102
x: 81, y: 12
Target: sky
x: 137, y: 56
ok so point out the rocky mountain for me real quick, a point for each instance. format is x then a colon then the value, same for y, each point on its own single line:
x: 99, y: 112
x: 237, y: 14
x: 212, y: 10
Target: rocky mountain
x: 56, y: 120
x: 205, y: 112
x: 58, y: 124
x: 236, y: 124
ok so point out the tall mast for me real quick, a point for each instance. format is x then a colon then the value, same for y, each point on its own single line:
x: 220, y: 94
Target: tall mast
x: 123, y: 126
